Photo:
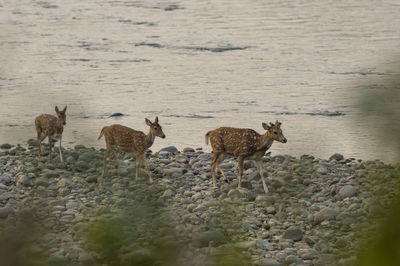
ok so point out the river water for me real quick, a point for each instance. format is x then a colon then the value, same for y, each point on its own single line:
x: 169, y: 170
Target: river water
x: 198, y: 65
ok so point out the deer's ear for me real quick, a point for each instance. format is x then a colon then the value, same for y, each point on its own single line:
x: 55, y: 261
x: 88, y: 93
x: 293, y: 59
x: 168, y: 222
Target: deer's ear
x: 277, y: 123
x: 65, y: 109
x: 156, y: 120
x: 148, y: 122
x: 265, y: 126
x: 57, y: 111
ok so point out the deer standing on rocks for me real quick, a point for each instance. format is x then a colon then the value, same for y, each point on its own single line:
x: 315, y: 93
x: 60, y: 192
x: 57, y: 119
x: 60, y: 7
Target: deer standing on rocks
x: 130, y: 140
x: 244, y: 144
x: 48, y: 126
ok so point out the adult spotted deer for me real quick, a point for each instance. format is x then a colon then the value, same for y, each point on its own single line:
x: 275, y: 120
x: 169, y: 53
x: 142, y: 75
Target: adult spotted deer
x: 130, y: 140
x: 244, y: 144
x: 49, y: 126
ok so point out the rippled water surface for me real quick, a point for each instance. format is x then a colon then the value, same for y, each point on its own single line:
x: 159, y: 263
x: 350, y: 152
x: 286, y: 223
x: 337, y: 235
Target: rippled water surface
x: 198, y: 65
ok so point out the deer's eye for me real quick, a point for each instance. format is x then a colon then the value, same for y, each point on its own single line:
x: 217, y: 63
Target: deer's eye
x: 155, y: 128
x: 276, y: 133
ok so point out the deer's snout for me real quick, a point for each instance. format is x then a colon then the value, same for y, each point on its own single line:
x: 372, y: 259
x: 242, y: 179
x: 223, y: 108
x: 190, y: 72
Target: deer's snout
x: 64, y: 123
x: 284, y: 140
x: 163, y: 136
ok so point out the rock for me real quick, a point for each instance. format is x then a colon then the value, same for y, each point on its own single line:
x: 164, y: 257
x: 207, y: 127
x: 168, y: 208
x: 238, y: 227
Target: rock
x: 347, y: 192
x: 50, y: 173
x: 322, y: 170
x: 202, y: 239
x: 140, y: 256
x: 245, y: 245
x: 264, y: 199
x: 188, y: 150
x: 79, y: 147
x: 57, y: 259
x: 247, y: 184
x: 336, y: 157
x: 62, y: 183
x: 168, y: 194
x: 81, y: 166
x: 86, y: 259
x: 325, y: 214
x: 173, y: 172
x: 42, y: 182
x: 293, y: 260
x: 264, y: 244
x: 326, y: 259
x: 295, y: 234
x: 24, y: 181
x: 271, y: 210
x: 170, y: 149
x: 268, y: 262
x: 91, y: 178
x: 308, y: 254
x: 89, y: 156
x: 32, y: 142
x: 5, y: 211
x: 6, y: 180
x: 6, y: 146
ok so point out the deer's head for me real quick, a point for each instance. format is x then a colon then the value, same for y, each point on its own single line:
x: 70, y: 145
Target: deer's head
x: 155, y: 128
x: 275, y: 131
x: 62, y: 118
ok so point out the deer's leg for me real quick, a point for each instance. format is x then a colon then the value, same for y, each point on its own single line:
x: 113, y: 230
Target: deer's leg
x: 137, y: 166
x: 217, y: 162
x: 147, y: 169
x: 39, y: 141
x: 104, y: 163
x: 50, y: 144
x: 213, y: 164
x: 115, y: 159
x: 260, y: 171
x: 59, y: 148
x: 240, y: 166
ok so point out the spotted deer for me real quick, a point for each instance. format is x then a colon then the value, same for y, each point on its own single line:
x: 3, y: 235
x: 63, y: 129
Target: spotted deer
x: 48, y: 126
x: 244, y: 144
x: 130, y: 140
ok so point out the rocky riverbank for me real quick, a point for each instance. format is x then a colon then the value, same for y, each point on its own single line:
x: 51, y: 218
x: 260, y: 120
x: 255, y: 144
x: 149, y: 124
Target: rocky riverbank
x: 316, y: 213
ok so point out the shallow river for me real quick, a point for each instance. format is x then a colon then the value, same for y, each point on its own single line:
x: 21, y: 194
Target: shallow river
x: 198, y: 65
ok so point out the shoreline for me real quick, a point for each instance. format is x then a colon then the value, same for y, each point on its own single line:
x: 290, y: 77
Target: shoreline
x: 315, y: 212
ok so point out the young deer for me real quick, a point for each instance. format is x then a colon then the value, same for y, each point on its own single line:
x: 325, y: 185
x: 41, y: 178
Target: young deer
x: 130, y: 140
x: 244, y: 144
x: 49, y: 126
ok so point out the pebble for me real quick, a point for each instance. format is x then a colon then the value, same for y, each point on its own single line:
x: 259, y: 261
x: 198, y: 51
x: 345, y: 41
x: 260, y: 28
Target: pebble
x: 6, y: 146
x: 312, y: 209
x: 268, y: 262
x: 346, y: 192
x: 5, y: 212
x: 294, y: 233
x: 203, y: 239
x: 24, y: 181
x: 325, y: 214
x: 336, y: 157
x: 170, y: 149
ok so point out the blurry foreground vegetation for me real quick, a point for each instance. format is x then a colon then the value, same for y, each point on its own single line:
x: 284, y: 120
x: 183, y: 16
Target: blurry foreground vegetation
x: 381, y: 106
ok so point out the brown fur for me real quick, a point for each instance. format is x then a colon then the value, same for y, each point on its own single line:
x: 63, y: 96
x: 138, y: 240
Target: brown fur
x: 129, y: 140
x: 244, y: 144
x: 48, y: 126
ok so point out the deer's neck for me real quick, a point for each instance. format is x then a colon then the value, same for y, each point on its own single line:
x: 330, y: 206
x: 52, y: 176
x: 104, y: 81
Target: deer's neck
x: 149, y: 139
x: 265, y: 141
x: 59, y: 127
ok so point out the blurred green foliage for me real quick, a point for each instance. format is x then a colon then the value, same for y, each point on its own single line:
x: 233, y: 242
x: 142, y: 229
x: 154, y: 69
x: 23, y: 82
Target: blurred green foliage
x: 18, y: 240
x: 143, y: 232
x: 382, y: 238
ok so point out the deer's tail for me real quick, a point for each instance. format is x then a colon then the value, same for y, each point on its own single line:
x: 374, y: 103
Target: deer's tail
x: 207, y: 137
x: 101, y: 134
